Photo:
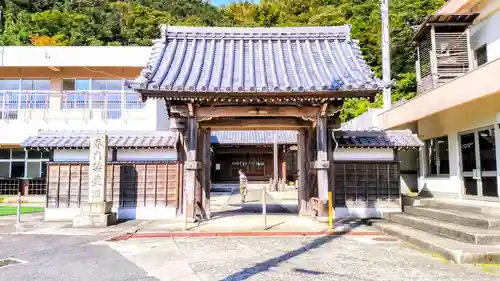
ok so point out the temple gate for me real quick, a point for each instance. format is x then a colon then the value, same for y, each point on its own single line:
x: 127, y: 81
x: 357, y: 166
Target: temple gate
x: 215, y: 78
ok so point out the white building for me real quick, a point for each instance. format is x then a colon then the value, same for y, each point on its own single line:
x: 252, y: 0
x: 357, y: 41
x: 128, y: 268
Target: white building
x: 67, y: 89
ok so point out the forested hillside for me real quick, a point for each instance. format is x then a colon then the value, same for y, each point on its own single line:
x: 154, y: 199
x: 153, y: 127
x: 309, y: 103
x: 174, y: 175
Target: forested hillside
x: 103, y: 22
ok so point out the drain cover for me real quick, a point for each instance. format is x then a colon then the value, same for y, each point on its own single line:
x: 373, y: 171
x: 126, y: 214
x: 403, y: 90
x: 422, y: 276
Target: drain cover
x: 385, y: 239
x: 9, y: 262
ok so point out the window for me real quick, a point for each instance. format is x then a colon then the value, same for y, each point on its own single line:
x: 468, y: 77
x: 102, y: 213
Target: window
x: 19, y: 163
x: 437, y: 156
x: 76, y: 93
x: 107, y: 95
x: 18, y: 94
x: 481, y: 55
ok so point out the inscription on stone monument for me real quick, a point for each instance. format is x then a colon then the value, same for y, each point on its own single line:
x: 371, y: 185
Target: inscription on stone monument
x: 97, y: 168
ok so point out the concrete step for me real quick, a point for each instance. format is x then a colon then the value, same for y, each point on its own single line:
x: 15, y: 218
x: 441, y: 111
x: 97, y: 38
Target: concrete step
x: 450, y: 249
x: 465, y: 206
x: 446, y: 229
x: 479, y: 220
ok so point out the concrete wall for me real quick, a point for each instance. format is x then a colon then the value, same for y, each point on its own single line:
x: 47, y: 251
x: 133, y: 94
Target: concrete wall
x: 478, y: 114
x: 485, y: 30
x: 463, y: 91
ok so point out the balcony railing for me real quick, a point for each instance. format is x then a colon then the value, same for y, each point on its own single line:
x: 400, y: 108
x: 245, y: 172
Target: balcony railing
x: 106, y: 105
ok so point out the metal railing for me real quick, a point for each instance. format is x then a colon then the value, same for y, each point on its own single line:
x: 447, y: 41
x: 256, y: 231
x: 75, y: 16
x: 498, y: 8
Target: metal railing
x: 14, y: 103
x: 107, y: 105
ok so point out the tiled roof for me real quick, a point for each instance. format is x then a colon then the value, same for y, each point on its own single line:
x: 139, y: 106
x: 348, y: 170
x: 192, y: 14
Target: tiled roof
x: 279, y: 59
x: 82, y: 140
x: 253, y: 137
x: 377, y: 139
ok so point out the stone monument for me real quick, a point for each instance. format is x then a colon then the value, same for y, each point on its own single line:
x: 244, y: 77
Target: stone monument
x: 97, y: 212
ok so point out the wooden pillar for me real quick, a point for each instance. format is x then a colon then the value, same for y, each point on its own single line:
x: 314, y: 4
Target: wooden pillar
x: 301, y: 167
x: 275, y: 162
x: 322, y: 164
x: 283, y: 165
x: 191, y: 166
x: 199, y: 188
x: 207, y: 164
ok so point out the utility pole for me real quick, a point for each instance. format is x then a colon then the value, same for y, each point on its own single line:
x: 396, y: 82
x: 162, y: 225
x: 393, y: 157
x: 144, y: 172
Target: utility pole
x: 386, y: 54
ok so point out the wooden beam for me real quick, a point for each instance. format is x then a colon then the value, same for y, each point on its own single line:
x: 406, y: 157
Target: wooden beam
x: 53, y: 68
x: 242, y: 150
x: 255, y: 124
x: 258, y: 111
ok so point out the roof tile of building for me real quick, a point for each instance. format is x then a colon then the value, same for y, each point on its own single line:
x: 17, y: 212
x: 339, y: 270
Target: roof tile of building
x: 82, y: 140
x: 376, y: 139
x: 284, y: 59
x: 253, y: 137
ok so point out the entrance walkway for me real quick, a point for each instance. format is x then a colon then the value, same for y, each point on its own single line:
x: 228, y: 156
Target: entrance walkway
x: 253, y: 204
x: 230, y: 215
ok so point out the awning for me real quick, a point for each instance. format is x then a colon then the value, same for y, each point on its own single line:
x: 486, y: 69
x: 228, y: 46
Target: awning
x: 67, y: 140
x: 400, y: 139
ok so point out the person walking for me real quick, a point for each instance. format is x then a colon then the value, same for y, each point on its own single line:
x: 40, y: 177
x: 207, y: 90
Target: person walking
x: 243, y: 185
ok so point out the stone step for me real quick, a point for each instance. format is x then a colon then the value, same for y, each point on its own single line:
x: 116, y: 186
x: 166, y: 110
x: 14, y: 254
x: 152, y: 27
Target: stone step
x: 479, y: 220
x: 466, y: 206
x: 450, y: 249
x: 446, y: 229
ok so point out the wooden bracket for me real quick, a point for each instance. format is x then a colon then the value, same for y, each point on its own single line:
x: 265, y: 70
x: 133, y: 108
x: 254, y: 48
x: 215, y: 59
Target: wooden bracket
x: 190, y: 109
x: 182, y: 110
x: 324, y: 107
x: 201, y: 119
x: 331, y: 110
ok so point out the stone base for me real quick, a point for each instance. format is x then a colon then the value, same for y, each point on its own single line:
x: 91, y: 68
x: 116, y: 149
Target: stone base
x: 95, y: 214
x: 94, y: 220
x: 97, y: 208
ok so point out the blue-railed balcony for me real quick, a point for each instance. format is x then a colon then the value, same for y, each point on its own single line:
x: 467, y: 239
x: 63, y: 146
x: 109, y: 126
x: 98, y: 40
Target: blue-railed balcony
x: 70, y: 105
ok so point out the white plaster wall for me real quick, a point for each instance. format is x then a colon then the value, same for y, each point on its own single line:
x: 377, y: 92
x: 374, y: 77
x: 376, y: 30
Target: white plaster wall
x: 146, y: 154
x: 363, y: 154
x: 367, y: 120
x: 75, y: 155
x: 162, y: 120
x: 485, y: 31
x: 140, y: 213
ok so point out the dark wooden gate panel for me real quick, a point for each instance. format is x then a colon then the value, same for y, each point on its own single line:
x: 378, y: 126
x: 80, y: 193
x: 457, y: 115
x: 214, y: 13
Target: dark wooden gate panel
x: 128, y: 184
x: 366, y: 183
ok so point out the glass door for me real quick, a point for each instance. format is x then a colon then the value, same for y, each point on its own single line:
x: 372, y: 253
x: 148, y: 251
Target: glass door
x: 478, y: 153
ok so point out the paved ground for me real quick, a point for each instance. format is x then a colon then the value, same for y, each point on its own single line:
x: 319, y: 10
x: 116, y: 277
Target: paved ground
x: 65, y: 258
x: 352, y: 258
x: 55, y: 251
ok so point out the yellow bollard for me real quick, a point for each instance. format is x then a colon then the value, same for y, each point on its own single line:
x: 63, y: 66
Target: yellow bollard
x: 330, y: 210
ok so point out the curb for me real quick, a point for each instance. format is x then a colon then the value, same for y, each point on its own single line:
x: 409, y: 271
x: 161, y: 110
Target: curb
x: 127, y: 236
